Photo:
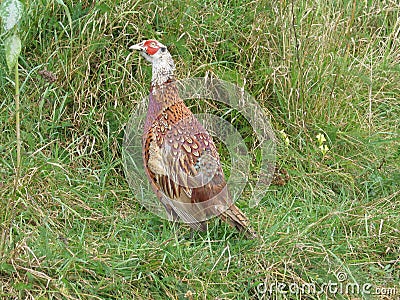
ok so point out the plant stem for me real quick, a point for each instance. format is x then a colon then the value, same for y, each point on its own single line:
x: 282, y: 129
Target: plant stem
x: 17, y: 125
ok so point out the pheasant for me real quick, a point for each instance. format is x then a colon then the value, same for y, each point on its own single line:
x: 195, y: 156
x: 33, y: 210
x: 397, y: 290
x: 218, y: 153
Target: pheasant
x: 180, y: 157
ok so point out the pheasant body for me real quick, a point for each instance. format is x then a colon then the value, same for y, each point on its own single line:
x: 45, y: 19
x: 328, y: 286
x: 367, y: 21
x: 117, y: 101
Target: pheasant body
x: 180, y: 158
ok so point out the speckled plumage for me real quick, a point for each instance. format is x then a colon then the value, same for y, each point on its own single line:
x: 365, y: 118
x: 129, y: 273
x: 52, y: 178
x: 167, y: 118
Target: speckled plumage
x: 180, y: 157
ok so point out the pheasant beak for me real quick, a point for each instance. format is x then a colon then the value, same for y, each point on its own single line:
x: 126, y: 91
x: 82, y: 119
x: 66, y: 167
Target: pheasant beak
x: 137, y: 47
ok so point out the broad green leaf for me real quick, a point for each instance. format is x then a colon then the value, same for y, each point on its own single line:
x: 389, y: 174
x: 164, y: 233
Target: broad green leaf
x: 12, y: 48
x: 10, y: 13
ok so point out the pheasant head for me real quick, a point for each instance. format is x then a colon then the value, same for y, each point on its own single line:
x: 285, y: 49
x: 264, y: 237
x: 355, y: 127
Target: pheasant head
x: 160, y: 58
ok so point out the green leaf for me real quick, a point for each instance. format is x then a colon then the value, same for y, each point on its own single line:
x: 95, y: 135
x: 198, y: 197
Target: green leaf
x: 10, y: 13
x: 6, y: 268
x: 66, y: 10
x: 21, y: 286
x: 13, y: 49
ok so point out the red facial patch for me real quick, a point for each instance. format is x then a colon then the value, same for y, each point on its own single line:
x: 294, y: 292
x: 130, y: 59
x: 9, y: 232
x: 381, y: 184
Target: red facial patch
x: 151, y: 47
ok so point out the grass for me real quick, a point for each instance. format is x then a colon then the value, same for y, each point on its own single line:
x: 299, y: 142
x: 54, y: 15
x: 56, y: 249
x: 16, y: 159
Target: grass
x: 74, y: 230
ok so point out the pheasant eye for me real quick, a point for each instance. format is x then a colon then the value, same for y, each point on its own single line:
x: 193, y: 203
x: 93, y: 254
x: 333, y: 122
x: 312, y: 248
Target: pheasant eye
x: 153, y: 45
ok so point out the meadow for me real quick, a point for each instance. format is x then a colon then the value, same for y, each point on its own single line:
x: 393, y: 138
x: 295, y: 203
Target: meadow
x: 72, y: 229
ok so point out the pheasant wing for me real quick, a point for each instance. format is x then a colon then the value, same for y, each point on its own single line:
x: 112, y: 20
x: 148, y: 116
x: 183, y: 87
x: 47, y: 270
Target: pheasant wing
x: 184, y: 168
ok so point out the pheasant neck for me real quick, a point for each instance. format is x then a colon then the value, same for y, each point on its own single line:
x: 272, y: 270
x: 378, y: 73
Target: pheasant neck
x: 163, y: 72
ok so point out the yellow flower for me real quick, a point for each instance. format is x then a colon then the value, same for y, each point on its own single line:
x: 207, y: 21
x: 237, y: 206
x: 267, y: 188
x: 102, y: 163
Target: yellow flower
x: 321, y: 138
x: 287, y: 142
x: 284, y: 137
x: 324, y: 149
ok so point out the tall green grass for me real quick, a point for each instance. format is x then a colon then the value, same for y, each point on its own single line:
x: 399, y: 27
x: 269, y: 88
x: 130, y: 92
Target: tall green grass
x: 74, y: 230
